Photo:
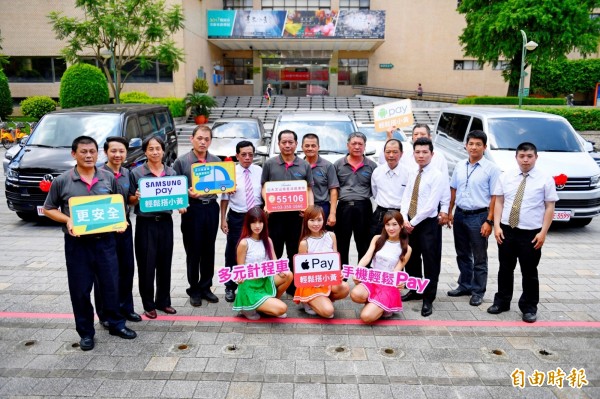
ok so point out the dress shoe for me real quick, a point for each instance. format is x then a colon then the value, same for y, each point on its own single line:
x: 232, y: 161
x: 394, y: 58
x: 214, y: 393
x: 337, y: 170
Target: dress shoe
x: 132, y: 316
x: 195, y: 301
x: 210, y: 297
x: 458, y: 292
x: 229, y: 295
x: 411, y: 296
x: 168, y: 310
x: 86, y: 343
x: 529, y: 317
x: 427, y: 309
x: 151, y: 314
x: 125, y: 333
x: 497, y: 309
x: 476, y: 300
x: 105, y: 324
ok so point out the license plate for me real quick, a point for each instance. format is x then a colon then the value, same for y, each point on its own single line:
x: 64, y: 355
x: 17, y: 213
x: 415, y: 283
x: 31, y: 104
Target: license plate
x: 562, y: 216
x: 40, y: 211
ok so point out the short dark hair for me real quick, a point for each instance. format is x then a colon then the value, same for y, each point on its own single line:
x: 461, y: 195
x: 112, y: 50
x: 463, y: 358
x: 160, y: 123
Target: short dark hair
x: 116, y: 139
x: 242, y: 144
x: 83, y: 140
x: 203, y: 128
x: 310, y: 136
x: 360, y: 135
x: 425, y: 125
x: 147, y: 140
x: 394, y: 141
x: 287, y: 131
x: 423, y: 141
x: 477, y: 134
x: 527, y: 146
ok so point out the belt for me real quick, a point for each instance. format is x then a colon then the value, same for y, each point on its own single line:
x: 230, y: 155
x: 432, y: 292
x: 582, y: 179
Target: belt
x: 98, y: 236
x: 202, y: 201
x: 354, y: 202
x: 472, y: 212
x: 156, y: 218
x: 382, y: 209
x: 237, y: 213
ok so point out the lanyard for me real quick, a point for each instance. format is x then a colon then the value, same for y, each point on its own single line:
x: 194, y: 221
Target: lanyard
x: 469, y: 174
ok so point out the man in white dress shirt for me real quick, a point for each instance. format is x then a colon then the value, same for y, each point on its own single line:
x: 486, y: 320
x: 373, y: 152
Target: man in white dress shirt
x: 388, y: 182
x: 246, y: 196
x: 525, y: 199
x: 420, y: 201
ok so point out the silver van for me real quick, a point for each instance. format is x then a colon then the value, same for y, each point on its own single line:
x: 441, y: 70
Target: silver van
x: 560, y: 151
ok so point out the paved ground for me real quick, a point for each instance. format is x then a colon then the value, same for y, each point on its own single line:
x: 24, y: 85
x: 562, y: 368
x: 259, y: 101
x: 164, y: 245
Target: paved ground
x: 460, y: 351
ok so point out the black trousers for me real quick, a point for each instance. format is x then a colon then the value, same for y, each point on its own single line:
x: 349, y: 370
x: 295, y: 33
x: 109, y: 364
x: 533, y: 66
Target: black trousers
x: 377, y: 220
x: 154, y: 254
x: 235, y: 221
x: 353, y: 217
x: 93, y: 258
x: 284, y: 229
x: 517, y: 245
x: 199, y: 227
x: 124, y: 243
x: 426, y: 243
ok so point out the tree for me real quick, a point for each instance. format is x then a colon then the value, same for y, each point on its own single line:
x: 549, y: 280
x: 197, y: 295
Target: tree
x: 3, y: 58
x: 136, y: 31
x: 558, y: 26
x: 6, y: 102
x: 83, y: 84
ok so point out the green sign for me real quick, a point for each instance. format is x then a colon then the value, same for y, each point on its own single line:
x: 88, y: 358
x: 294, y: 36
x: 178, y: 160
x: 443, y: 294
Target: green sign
x: 386, y: 66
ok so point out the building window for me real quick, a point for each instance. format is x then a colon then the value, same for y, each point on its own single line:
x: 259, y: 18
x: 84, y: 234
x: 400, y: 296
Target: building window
x: 470, y: 65
x: 296, y: 4
x: 237, y: 4
x: 501, y: 65
x: 237, y: 70
x: 355, y: 4
x: 156, y: 73
x: 353, y: 71
x: 35, y: 69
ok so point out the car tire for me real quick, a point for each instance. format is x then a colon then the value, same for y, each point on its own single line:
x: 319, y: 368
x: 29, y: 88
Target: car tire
x: 580, y: 222
x: 28, y: 216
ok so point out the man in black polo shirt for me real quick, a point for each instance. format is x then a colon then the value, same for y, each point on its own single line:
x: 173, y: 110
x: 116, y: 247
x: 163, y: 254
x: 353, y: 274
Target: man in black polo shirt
x: 88, y: 257
x: 354, y: 209
x: 284, y: 227
x: 200, y: 223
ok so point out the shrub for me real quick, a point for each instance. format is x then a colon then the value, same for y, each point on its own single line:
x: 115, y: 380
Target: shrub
x: 37, y: 106
x: 580, y: 118
x: 6, y: 104
x: 488, y: 100
x: 200, y: 86
x: 133, y: 96
x: 83, y: 84
x: 176, y: 105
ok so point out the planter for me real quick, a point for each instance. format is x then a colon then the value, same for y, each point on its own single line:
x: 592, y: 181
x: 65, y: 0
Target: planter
x: 200, y: 119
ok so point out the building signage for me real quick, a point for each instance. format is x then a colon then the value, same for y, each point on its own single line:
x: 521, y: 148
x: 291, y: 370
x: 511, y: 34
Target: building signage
x: 386, y: 66
x: 296, y: 24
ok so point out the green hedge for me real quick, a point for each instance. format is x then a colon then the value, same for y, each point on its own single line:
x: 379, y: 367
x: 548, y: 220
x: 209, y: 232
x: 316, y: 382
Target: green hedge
x: 37, y: 106
x: 83, y: 84
x: 6, y: 103
x: 176, y: 105
x: 562, y: 77
x: 580, y: 118
x: 488, y: 100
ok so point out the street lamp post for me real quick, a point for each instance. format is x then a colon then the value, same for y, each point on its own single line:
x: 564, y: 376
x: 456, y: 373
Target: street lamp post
x: 526, y: 46
x: 110, y: 53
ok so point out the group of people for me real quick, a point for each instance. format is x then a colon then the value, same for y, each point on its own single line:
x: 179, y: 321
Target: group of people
x: 414, y: 200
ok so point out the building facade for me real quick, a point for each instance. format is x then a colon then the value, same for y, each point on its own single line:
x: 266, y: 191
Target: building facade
x: 300, y: 47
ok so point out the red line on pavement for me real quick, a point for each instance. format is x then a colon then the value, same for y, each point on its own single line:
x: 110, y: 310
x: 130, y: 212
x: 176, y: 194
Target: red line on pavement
x: 392, y: 322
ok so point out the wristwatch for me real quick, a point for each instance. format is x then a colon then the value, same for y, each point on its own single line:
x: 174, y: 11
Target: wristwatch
x: 490, y: 222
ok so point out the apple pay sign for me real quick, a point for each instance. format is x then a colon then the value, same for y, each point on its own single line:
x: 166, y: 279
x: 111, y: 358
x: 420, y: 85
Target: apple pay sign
x: 317, y: 269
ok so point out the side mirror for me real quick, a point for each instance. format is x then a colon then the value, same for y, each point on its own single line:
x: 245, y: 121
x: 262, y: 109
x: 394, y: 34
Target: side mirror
x: 262, y: 150
x: 135, y: 143
x: 24, y: 141
x: 370, y: 150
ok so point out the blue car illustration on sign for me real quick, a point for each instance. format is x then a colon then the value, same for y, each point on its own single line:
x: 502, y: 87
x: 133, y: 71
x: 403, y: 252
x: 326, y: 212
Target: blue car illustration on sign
x: 217, y: 179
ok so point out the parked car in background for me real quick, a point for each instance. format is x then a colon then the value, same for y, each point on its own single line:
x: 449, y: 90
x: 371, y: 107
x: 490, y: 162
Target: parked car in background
x: 227, y: 132
x: 560, y: 151
x: 47, y: 152
x: 378, y: 140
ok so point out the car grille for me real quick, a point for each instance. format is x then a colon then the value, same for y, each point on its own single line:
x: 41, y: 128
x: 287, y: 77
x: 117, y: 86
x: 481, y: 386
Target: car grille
x: 577, y: 184
x: 32, y: 179
x: 580, y: 203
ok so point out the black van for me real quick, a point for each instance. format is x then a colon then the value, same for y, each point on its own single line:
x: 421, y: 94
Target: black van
x: 47, y: 152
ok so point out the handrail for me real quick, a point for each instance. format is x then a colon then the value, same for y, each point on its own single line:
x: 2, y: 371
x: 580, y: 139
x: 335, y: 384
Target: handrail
x: 411, y: 94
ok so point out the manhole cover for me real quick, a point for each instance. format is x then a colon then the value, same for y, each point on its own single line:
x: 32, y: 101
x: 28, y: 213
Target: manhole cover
x: 494, y: 354
x: 390, y: 353
x: 233, y: 349
x: 177, y: 348
x: 338, y: 351
x: 546, y: 355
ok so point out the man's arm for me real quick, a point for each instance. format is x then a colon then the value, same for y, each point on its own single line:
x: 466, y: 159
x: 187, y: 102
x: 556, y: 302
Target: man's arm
x: 486, y: 228
x: 59, y: 217
x: 498, y: 233
x: 451, y: 207
x: 224, y: 225
x: 540, y: 237
x: 333, y: 198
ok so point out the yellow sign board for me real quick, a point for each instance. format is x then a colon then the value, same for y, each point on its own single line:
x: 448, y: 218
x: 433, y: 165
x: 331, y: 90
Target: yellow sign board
x: 213, y: 177
x: 93, y: 214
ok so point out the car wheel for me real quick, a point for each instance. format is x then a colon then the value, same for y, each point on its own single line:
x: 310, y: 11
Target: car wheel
x: 206, y: 189
x: 28, y: 216
x: 580, y: 222
x: 223, y: 188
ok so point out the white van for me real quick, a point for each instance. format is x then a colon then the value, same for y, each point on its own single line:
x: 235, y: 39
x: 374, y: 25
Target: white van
x: 560, y: 151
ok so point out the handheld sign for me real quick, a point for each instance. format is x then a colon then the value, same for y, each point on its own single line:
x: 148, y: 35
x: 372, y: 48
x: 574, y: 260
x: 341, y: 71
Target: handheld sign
x: 252, y: 271
x: 287, y: 195
x: 381, y: 277
x: 163, y: 193
x: 311, y: 270
x: 94, y: 214
x: 213, y: 177
x: 398, y: 113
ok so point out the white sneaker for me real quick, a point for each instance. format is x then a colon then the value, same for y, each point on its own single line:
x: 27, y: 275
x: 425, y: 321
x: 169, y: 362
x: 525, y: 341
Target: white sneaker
x: 308, y: 309
x: 251, y: 314
x: 283, y: 316
x: 387, y: 315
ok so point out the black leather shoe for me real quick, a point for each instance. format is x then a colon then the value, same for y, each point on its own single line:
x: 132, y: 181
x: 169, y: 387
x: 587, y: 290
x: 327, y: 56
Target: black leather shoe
x: 105, y: 324
x: 476, y: 300
x: 497, y: 309
x: 529, y: 317
x: 195, y: 301
x: 86, y: 343
x: 411, y: 296
x: 125, y: 333
x: 168, y: 310
x: 427, y: 309
x: 458, y: 292
x: 229, y: 295
x: 151, y: 314
x: 132, y: 317
x: 210, y: 297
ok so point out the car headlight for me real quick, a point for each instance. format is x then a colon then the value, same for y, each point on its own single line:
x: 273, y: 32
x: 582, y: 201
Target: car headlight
x: 595, y: 181
x: 12, y: 174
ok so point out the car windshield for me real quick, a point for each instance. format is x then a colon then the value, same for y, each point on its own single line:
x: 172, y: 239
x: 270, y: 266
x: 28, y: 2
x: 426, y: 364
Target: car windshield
x: 59, y: 130
x: 552, y: 135
x: 333, y: 135
x: 372, y: 135
x: 231, y: 130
